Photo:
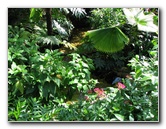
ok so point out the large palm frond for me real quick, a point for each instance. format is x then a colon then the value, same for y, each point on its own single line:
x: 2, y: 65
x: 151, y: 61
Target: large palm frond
x: 110, y: 39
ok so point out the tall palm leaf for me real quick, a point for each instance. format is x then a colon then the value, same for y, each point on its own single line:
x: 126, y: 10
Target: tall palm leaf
x: 110, y: 39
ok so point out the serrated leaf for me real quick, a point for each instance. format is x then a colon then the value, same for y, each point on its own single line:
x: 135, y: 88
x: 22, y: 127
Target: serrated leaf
x: 99, y: 63
x: 119, y: 117
x: 78, y: 12
x: 60, y: 29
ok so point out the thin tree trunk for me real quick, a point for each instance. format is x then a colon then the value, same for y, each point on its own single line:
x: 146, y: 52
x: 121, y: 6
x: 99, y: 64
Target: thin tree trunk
x: 49, y: 24
x: 49, y: 21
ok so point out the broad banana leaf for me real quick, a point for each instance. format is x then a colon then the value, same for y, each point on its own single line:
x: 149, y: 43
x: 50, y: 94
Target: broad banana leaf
x: 108, y: 40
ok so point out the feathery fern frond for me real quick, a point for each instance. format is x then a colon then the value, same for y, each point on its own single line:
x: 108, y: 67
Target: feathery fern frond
x: 110, y: 39
x: 69, y: 45
x: 60, y: 29
x: 99, y: 63
x: 49, y: 40
x: 78, y: 12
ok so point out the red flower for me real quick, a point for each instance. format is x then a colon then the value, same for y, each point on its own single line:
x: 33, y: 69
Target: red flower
x: 120, y: 85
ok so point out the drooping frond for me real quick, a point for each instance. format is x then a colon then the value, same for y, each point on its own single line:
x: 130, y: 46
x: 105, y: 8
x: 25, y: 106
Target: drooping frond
x: 49, y: 40
x: 108, y: 39
x: 78, y: 12
x: 60, y: 29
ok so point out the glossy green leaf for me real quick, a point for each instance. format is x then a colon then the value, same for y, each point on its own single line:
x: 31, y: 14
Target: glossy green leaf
x: 13, y: 66
x: 127, y: 96
x: 35, y: 14
x: 45, y: 90
x: 138, y: 73
x: 119, y: 117
x: 75, y: 81
x: 131, y: 117
x: 85, y: 88
x: 51, y: 87
x: 57, y: 81
x: 145, y: 78
x: 19, y: 86
x: 32, y: 13
x: 79, y: 86
x: 116, y: 108
x: 85, y: 65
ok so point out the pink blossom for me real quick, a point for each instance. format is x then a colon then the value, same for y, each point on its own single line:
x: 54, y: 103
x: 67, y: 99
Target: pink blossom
x: 99, y: 91
x: 96, y: 89
x: 120, y: 86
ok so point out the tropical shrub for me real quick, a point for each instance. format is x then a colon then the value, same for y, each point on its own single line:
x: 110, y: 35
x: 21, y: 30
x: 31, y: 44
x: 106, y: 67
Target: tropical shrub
x: 135, y: 99
x: 30, y: 109
x: 43, y: 76
x: 106, y: 17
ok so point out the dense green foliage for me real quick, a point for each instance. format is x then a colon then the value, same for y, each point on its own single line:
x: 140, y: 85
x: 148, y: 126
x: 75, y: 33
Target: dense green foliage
x: 107, y: 17
x: 48, y: 84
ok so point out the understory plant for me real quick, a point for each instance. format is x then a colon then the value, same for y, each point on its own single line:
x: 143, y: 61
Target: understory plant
x: 44, y: 76
x: 138, y: 100
x: 135, y: 99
